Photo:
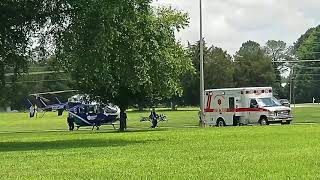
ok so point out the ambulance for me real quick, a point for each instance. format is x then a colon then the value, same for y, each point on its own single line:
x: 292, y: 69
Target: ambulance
x: 244, y: 106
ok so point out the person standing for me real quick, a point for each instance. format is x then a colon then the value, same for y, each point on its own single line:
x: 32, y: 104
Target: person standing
x: 70, y: 122
x: 123, y: 114
x: 154, y: 118
x: 201, y: 124
x: 36, y: 110
x: 31, y: 111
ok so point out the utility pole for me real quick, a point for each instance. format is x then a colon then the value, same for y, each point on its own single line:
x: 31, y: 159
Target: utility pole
x: 292, y: 97
x: 293, y: 92
x: 291, y: 81
x: 201, y: 69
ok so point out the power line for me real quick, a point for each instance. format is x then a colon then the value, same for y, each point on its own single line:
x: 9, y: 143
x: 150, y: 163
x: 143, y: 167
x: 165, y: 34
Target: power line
x: 309, y: 68
x: 21, y: 82
x: 36, y: 73
x: 33, y: 68
x: 301, y: 66
x: 298, y: 61
x: 308, y: 74
x: 314, y: 52
x: 297, y: 80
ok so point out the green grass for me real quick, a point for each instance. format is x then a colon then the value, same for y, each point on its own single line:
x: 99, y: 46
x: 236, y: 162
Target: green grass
x: 307, y: 114
x: 20, y: 122
x: 43, y: 149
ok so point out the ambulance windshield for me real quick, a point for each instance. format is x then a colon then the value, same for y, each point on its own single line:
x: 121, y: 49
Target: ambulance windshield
x: 268, y: 102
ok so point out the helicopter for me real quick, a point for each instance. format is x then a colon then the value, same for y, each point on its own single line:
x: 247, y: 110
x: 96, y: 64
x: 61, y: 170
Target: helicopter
x: 41, y: 103
x: 91, y: 113
x: 82, y: 111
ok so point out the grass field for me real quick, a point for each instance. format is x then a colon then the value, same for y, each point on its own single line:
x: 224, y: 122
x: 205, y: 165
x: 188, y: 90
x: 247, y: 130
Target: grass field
x: 307, y: 114
x: 43, y: 149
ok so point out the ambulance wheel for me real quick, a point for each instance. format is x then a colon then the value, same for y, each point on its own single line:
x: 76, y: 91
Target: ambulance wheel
x: 264, y: 122
x: 221, y: 123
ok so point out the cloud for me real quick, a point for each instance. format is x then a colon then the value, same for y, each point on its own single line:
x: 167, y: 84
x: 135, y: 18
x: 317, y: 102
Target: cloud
x: 229, y: 23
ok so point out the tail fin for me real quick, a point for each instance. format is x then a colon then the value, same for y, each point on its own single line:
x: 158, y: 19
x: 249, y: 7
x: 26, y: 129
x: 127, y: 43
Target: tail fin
x: 28, y: 103
x: 41, y: 101
x: 58, y: 100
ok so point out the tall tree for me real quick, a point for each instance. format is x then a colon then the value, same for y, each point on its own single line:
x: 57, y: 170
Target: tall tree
x: 278, y: 51
x: 307, y: 74
x: 191, y: 81
x: 253, y: 67
x: 120, y: 50
x: 22, y: 21
x: 219, y: 69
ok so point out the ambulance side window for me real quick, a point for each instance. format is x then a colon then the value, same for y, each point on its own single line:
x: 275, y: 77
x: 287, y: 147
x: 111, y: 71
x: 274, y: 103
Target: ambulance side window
x: 231, y: 103
x: 253, y: 103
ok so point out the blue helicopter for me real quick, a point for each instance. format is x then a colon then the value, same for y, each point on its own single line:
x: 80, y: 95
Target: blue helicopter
x: 42, y: 104
x: 91, y: 113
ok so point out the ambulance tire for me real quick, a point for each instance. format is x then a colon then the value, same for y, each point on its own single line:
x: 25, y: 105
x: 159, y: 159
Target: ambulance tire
x: 264, y: 121
x: 220, y: 123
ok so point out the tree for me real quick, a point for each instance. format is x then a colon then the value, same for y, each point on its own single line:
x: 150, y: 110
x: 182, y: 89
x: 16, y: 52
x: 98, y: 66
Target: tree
x: 306, y: 79
x: 253, y: 67
x: 278, y: 51
x: 32, y: 83
x: 21, y: 23
x: 121, y: 50
x: 191, y: 81
x: 219, y: 69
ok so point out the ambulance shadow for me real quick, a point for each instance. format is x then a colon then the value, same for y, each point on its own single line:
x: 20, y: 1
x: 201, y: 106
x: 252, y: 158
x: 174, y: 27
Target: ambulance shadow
x: 67, y: 144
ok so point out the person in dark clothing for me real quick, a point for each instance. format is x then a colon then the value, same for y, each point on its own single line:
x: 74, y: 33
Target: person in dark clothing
x: 154, y: 118
x: 123, y: 114
x: 70, y: 122
x: 126, y: 118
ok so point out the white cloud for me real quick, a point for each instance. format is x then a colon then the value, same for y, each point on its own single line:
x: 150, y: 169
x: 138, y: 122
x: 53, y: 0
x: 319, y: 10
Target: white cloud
x: 229, y: 23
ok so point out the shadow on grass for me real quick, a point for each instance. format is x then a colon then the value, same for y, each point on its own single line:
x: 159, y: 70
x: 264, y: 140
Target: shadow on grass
x: 138, y: 130
x: 164, y: 110
x: 67, y: 144
x: 85, y: 131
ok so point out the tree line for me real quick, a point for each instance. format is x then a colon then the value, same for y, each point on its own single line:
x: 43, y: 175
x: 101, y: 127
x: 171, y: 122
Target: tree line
x: 306, y: 77
x: 252, y: 65
x: 125, y: 52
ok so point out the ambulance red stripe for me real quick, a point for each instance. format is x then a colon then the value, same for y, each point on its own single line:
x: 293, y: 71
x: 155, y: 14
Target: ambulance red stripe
x: 237, y: 110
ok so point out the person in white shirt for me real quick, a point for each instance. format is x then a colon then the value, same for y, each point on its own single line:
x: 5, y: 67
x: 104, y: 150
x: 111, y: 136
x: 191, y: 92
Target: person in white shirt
x: 32, y: 111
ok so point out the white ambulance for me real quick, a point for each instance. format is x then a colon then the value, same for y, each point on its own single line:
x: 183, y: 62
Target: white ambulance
x: 243, y: 106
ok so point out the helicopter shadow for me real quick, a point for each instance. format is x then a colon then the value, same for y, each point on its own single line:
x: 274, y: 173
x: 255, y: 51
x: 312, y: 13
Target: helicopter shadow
x: 67, y: 144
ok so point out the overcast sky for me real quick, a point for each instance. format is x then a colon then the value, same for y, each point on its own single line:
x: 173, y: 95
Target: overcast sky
x: 229, y: 23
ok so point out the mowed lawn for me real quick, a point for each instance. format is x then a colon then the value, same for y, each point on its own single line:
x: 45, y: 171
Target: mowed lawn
x: 309, y: 114
x: 43, y: 149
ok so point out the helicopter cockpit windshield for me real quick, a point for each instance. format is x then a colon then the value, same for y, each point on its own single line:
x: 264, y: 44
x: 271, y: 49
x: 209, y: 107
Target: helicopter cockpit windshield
x: 110, y: 108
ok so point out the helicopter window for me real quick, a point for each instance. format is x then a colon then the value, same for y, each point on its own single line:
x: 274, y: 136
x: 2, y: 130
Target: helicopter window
x: 109, y: 109
x: 82, y: 110
x: 85, y: 109
x: 100, y: 110
x: 91, y: 109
